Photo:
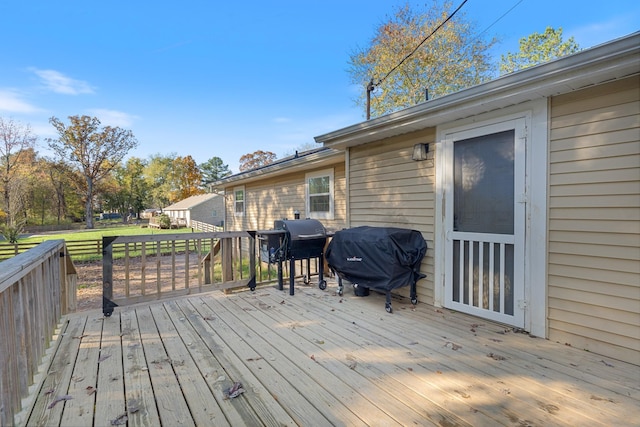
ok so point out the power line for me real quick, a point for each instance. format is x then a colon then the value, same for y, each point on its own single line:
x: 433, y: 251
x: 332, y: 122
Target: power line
x: 496, y: 21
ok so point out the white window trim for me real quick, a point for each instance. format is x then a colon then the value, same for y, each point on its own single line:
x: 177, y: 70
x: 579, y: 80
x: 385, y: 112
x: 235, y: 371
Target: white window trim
x: 244, y: 201
x: 319, y: 215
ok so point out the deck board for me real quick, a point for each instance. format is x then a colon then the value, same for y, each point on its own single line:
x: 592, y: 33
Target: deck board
x: 79, y: 410
x: 216, y: 364
x: 141, y: 407
x: 317, y: 358
x: 171, y: 403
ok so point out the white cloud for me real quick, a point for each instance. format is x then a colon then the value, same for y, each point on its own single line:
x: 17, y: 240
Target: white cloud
x: 10, y: 101
x: 57, y: 82
x: 113, y: 118
x: 282, y: 120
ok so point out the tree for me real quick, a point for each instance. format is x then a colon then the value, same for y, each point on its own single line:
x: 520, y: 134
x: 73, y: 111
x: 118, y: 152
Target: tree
x: 417, y: 51
x: 536, y: 49
x: 256, y: 160
x: 157, y: 176
x: 62, y: 177
x: 15, y: 140
x: 94, y: 151
x: 185, y: 179
x: 129, y: 188
x: 212, y: 170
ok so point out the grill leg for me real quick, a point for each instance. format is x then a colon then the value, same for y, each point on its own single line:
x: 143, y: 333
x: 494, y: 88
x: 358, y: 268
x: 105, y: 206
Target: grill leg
x: 322, y: 284
x: 387, y: 304
x: 292, y: 275
x: 280, y: 284
x: 414, y: 294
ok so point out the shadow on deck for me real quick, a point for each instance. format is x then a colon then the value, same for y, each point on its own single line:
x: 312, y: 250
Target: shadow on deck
x: 317, y: 359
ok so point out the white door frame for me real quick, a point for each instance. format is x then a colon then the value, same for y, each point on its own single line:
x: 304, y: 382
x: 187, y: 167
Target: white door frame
x: 535, y: 115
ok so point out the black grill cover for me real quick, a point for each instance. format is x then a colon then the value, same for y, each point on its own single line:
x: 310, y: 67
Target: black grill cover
x: 380, y: 258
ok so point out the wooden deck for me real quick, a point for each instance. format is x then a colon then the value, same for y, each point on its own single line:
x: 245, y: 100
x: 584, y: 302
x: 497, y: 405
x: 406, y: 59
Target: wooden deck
x: 316, y: 359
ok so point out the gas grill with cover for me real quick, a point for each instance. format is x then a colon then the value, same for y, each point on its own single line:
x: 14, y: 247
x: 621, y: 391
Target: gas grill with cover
x: 379, y: 258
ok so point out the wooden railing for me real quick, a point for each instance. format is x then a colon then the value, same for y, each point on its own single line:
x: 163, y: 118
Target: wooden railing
x: 165, y: 265
x: 161, y: 266
x: 36, y: 288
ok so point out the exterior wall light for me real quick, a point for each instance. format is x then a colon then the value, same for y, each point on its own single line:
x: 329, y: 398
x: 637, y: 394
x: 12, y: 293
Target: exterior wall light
x: 420, y: 152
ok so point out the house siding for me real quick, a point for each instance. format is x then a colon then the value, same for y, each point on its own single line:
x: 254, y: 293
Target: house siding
x: 202, y: 211
x: 594, y: 219
x: 278, y: 197
x: 388, y: 189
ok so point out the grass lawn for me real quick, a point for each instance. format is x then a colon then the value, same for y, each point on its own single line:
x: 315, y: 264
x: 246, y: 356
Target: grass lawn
x: 99, y: 233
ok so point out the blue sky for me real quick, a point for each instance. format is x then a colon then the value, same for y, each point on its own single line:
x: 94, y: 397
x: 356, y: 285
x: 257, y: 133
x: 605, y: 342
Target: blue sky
x: 207, y: 78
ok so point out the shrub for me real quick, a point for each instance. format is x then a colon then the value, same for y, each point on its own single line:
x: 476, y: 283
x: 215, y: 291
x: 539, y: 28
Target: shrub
x: 164, y: 221
x: 12, y: 232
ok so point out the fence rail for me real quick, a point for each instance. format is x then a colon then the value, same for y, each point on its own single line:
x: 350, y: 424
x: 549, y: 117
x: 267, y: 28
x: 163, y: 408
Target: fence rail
x: 36, y: 288
x: 75, y: 248
x: 205, y: 227
x: 84, y: 248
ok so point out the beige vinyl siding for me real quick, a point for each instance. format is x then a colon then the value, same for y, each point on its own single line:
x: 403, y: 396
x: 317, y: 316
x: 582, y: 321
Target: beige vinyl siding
x: 388, y: 189
x: 269, y: 199
x: 594, y: 220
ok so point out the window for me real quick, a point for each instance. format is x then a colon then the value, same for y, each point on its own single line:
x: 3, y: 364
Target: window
x: 319, y: 192
x: 239, y: 201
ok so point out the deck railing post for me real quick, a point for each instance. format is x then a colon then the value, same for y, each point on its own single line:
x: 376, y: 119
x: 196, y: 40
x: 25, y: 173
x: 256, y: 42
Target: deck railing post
x: 227, y: 259
x: 107, y: 276
x: 252, y: 259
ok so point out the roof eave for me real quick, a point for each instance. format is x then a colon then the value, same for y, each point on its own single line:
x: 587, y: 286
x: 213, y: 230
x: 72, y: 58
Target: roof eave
x: 610, y: 61
x: 303, y: 162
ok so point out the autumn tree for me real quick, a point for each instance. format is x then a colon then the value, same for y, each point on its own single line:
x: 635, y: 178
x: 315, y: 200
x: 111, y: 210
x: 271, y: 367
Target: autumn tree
x: 94, y: 151
x: 15, y: 140
x: 185, y: 179
x: 256, y: 160
x: 212, y: 170
x: 436, y: 50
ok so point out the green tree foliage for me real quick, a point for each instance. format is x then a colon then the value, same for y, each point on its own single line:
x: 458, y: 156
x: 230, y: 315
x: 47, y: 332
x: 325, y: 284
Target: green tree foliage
x: 66, y: 202
x: 255, y: 160
x: 15, y: 140
x: 536, y: 49
x: 212, y: 170
x: 157, y: 176
x: 129, y: 189
x: 452, y: 58
x: 94, y: 151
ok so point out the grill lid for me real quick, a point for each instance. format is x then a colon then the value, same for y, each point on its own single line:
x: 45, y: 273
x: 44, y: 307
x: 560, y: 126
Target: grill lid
x: 302, y: 229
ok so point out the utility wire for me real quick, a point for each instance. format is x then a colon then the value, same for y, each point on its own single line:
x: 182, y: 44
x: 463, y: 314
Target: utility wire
x: 417, y: 47
x: 496, y: 21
